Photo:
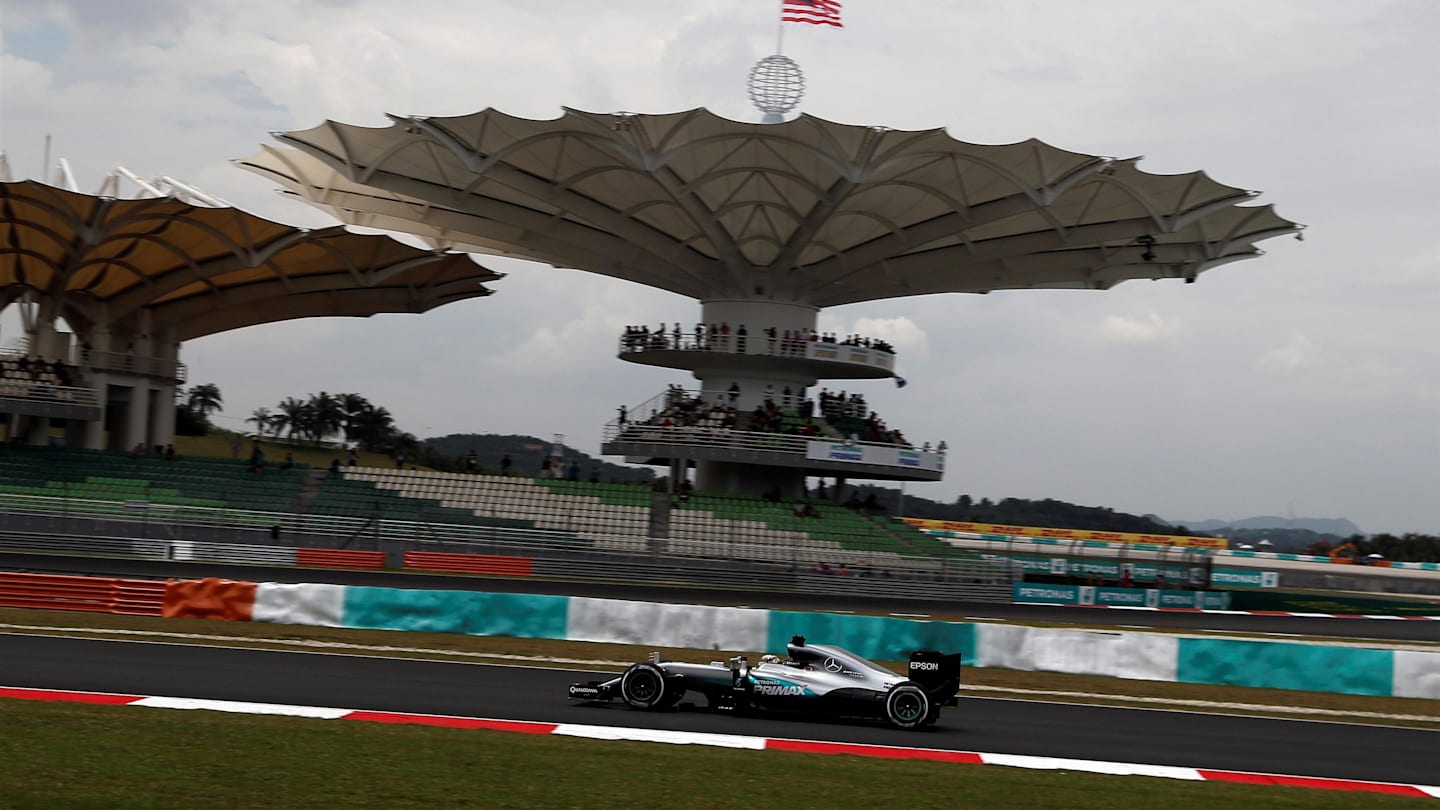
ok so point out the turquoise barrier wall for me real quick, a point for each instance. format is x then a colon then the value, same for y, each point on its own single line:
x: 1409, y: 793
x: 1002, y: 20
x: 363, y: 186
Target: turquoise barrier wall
x: 1279, y: 665
x: 469, y: 612
x: 1039, y: 593
x: 879, y: 638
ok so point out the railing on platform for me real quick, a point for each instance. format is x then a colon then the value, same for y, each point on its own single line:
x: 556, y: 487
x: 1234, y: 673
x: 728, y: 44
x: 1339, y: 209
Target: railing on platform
x: 758, y: 345
x: 126, y: 363
x: 27, y: 391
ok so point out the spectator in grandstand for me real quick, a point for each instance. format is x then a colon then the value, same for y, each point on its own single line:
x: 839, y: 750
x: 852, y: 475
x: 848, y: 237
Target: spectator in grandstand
x: 235, y: 447
x: 505, y: 464
x: 740, y: 338
x: 594, y: 475
x: 335, y: 468
x: 572, y: 473
x: 257, y: 460
x: 354, y: 455
x: 289, y: 461
x: 472, y: 462
x: 169, y: 452
x: 624, y: 414
x: 399, y: 459
x: 545, y: 467
x: 870, y: 504
x: 138, y: 451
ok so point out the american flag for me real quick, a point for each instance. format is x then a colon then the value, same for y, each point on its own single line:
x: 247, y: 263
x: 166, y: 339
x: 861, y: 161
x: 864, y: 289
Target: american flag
x: 815, y: 12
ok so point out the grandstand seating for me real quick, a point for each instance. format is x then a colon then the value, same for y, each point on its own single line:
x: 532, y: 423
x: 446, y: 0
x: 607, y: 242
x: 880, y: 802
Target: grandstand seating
x: 611, y: 516
x: 602, y: 516
x: 752, y: 527
x: 73, y: 477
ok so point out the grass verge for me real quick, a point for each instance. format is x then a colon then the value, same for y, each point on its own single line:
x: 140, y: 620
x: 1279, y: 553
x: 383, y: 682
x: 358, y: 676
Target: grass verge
x: 120, y: 758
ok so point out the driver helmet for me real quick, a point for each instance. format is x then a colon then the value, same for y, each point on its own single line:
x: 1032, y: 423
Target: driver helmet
x: 769, y: 659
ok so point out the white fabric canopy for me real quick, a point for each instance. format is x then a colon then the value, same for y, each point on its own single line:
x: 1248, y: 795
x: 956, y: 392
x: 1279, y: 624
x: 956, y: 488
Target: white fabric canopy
x: 809, y: 212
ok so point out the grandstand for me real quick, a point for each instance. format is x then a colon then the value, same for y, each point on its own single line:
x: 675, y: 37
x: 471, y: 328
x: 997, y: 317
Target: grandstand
x: 73, y: 477
x: 424, y: 506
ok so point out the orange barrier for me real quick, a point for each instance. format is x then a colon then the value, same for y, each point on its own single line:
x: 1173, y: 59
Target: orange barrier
x: 470, y: 563
x: 131, y: 597
x: 209, y: 598
x: 338, y: 558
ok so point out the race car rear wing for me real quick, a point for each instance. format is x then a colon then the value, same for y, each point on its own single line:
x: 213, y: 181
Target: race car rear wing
x: 938, y: 674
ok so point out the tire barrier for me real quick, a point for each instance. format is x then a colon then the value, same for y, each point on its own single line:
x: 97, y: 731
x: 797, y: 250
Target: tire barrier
x: 89, y: 594
x: 337, y: 558
x: 1346, y: 669
x: 491, y: 564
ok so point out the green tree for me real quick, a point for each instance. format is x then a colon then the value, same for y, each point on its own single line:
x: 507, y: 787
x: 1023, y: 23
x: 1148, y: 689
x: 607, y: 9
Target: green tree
x: 327, y: 416
x: 293, y: 417
x: 263, y: 421
x: 203, y: 400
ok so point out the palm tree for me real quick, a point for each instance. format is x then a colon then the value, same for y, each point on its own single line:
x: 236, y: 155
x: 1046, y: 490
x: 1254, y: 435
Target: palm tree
x: 294, y: 417
x: 354, y: 406
x: 327, y: 416
x: 203, y: 400
x: 374, y: 428
x: 262, y: 419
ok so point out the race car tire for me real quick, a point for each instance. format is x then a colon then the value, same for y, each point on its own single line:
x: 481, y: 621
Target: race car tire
x: 907, y: 706
x: 643, y: 686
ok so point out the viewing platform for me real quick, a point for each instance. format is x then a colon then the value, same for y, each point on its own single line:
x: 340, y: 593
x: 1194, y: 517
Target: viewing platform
x: 814, y: 455
x: 758, y: 354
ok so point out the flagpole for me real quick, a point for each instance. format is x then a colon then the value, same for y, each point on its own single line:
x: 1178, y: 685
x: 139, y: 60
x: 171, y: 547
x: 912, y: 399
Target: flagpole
x: 780, y: 30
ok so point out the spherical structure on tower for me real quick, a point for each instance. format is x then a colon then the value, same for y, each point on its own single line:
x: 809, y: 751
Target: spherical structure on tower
x: 776, y: 84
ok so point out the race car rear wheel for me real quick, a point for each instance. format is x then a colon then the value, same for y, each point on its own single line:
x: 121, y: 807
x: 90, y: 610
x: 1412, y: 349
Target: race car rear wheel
x: 907, y: 706
x: 643, y: 686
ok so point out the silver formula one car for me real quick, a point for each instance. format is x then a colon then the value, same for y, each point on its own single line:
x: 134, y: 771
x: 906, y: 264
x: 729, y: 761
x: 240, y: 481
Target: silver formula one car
x: 816, y: 679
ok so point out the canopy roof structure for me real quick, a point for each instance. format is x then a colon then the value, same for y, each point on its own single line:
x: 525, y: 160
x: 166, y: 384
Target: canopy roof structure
x: 165, y: 266
x: 807, y: 212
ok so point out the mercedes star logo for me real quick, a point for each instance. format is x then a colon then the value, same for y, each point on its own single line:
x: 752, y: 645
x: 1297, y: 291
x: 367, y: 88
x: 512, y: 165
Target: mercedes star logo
x: 831, y: 665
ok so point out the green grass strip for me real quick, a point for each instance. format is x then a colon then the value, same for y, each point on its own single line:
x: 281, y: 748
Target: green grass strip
x: 128, y: 758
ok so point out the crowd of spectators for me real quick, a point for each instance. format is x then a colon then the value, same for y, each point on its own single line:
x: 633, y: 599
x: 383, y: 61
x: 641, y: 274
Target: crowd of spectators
x: 681, y: 409
x: 720, y: 338
x: 787, y: 411
x: 27, y: 369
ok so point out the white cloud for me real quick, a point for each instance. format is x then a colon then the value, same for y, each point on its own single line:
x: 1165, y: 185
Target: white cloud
x: 904, y: 334
x: 1297, y: 353
x: 1152, y: 327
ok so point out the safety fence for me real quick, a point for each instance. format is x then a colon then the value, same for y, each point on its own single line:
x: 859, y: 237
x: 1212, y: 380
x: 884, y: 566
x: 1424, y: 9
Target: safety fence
x: 1346, y: 669
x: 959, y: 579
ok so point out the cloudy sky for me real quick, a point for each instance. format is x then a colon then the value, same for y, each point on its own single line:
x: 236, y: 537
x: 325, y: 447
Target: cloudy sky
x: 1306, y: 381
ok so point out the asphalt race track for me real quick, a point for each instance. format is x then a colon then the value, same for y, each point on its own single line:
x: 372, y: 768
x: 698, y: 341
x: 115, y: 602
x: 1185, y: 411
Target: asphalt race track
x: 999, y: 726
x: 1380, y: 629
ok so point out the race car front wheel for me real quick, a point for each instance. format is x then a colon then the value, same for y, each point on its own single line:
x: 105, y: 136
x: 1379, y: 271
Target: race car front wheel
x: 907, y: 706
x: 643, y: 686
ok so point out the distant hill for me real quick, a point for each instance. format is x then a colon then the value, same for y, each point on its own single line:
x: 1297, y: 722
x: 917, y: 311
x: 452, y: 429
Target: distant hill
x: 526, y: 453
x: 1339, y: 527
